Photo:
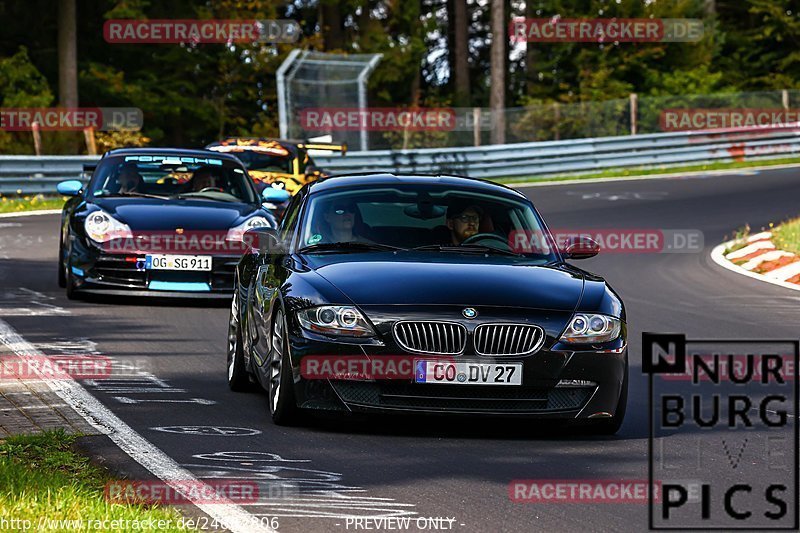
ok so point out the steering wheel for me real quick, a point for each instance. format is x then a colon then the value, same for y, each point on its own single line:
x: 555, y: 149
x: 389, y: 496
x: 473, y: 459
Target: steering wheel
x: 211, y: 189
x: 491, y: 237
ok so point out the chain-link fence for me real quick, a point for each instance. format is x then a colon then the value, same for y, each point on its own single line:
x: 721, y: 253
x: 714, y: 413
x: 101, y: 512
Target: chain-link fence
x: 550, y: 121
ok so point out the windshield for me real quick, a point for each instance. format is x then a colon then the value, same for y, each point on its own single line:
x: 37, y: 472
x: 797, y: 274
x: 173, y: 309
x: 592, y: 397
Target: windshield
x: 265, y: 162
x: 427, y: 218
x: 173, y: 177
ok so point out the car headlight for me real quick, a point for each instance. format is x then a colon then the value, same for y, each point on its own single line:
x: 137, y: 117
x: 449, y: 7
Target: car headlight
x: 588, y: 328
x: 339, y: 320
x: 102, y: 227
x: 236, y: 233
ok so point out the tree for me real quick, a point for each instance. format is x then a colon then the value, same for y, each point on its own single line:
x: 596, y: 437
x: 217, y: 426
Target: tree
x: 461, y: 53
x: 497, y: 95
x: 67, y: 54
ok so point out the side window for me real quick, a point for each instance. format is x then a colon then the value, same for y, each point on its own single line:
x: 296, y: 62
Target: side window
x: 289, y: 222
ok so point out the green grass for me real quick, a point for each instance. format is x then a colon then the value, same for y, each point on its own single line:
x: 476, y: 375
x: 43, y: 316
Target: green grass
x: 42, y: 477
x: 14, y: 204
x: 739, y: 240
x: 628, y: 172
x: 786, y: 236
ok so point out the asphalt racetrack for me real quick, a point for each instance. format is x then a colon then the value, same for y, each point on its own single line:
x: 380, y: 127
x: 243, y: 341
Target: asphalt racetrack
x: 457, y: 469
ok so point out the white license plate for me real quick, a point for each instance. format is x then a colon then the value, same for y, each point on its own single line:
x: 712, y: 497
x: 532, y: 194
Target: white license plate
x: 177, y: 262
x: 467, y: 373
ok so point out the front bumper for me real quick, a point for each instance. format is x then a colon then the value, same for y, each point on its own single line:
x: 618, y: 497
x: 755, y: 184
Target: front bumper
x: 558, y: 381
x: 98, y: 272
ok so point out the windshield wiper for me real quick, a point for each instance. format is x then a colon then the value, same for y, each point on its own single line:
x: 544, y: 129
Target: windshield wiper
x: 134, y: 193
x: 200, y: 196
x: 468, y: 248
x: 346, y: 246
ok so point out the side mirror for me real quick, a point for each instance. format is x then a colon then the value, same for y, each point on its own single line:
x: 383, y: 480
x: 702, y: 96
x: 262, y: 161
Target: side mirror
x: 70, y: 188
x: 580, y: 248
x: 275, y: 196
x: 263, y: 240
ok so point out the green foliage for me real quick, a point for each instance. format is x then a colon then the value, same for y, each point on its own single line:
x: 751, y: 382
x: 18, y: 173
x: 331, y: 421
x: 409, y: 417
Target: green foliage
x: 192, y: 94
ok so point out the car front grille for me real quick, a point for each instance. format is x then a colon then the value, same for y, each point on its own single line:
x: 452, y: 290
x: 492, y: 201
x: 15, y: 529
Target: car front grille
x: 441, y: 338
x: 507, y: 339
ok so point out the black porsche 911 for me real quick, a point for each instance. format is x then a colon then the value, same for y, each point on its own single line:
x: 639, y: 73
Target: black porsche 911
x: 406, y: 293
x: 165, y: 222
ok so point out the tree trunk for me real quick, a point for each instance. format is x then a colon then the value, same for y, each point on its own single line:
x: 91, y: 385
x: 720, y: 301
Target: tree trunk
x: 331, y: 24
x: 67, y: 54
x: 531, y: 56
x: 497, y: 96
x: 461, y: 55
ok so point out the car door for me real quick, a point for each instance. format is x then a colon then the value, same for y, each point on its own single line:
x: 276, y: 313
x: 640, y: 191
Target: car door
x: 266, y: 283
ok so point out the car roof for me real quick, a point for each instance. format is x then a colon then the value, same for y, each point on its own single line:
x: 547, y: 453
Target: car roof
x: 287, y: 144
x: 358, y: 180
x: 170, y: 151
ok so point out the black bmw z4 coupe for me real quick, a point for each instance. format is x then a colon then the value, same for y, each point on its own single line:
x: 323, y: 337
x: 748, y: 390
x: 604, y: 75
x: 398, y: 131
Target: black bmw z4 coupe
x: 158, y: 221
x: 393, y: 293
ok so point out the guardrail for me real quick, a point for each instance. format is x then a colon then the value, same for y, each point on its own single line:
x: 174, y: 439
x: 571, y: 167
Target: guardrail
x: 580, y: 155
x: 25, y: 174
x: 30, y: 174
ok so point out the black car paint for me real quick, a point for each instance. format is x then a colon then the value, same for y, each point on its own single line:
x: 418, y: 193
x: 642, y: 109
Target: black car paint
x: 392, y: 286
x: 150, y: 214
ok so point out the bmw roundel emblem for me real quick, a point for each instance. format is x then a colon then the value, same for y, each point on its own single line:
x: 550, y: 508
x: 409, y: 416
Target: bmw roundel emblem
x: 469, y: 312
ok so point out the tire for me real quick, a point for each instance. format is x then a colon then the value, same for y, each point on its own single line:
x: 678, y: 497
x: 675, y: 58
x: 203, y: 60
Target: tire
x: 72, y: 292
x: 280, y: 385
x: 610, y: 426
x: 238, y: 378
x: 62, y: 269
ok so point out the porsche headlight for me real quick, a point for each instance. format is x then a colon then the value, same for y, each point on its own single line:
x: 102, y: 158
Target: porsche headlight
x: 102, y: 227
x: 588, y: 328
x: 339, y: 320
x: 236, y: 233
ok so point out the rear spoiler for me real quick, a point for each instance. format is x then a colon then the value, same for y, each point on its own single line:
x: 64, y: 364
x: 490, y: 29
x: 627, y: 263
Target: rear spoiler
x: 331, y: 147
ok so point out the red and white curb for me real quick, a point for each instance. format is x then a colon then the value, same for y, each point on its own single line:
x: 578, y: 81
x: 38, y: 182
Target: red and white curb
x: 760, y: 260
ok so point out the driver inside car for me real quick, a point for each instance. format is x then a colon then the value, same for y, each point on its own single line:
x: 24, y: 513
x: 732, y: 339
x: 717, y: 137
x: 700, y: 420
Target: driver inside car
x: 204, y: 178
x: 463, y: 220
x: 129, y: 179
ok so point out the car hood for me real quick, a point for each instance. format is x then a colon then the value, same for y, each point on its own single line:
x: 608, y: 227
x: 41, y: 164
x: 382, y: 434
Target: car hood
x: 143, y: 214
x: 387, y: 279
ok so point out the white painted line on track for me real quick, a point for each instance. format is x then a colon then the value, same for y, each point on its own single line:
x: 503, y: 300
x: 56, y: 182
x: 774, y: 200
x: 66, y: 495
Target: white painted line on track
x: 31, y: 213
x: 717, y: 255
x: 695, y: 174
x: 137, y: 447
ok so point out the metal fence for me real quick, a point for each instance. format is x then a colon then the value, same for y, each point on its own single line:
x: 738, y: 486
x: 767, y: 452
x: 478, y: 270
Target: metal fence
x: 30, y: 174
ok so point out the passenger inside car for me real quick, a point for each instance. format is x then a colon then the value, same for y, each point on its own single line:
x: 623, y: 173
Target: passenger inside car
x: 343, y: 223
x: 129, y: 179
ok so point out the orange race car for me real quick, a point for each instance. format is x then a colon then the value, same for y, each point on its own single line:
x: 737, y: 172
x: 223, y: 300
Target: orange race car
x: 277, y: 162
